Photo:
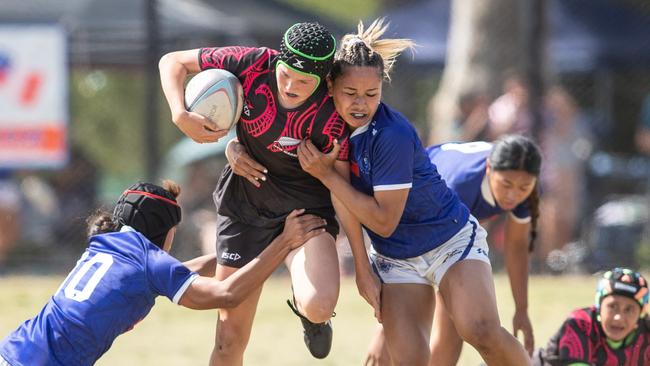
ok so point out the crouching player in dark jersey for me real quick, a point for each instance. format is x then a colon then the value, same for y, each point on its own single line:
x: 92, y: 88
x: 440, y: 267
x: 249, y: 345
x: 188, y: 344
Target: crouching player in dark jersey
x: 421, y: 233
x: 126, y: 266
x: 286, y: 102
x: 615, y: 331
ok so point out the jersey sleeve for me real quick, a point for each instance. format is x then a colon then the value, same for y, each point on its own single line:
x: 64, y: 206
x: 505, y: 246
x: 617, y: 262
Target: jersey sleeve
x: 392, y: 160
x: 335, y: 128
x: 521, y: 213
x: 235, y: 59
x: 167, y: 276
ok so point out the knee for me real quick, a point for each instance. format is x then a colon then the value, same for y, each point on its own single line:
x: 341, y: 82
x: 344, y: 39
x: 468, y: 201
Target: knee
x: 231, y: 340
x: 318, y: 308
x: 481, y: 333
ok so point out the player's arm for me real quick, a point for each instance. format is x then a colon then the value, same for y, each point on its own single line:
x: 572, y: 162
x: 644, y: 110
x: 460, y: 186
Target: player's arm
x: 174, y: 68
x: 367, y: 283
x: 380, y: 213
x: 204, y: 265
x: 516, y: 258
x: 209, y: 293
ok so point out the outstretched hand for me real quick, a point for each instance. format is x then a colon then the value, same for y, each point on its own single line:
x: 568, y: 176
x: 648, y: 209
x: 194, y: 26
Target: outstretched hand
x: 315, y: 162
x: 198, y: 128
x: 521, y: 322
x: 300, y: 227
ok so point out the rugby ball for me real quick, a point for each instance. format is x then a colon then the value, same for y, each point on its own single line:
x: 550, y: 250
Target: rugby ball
x: 217, y: 95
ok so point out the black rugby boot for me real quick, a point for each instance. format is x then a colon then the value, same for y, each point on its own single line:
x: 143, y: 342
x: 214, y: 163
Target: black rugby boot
x: 317, y: 336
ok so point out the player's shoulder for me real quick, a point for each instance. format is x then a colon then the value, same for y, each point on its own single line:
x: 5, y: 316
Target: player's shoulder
x: 584, y: 318
x: 388, y: 116
x: 389, y: 123
x: 125, y: 240
x: 475, y: 148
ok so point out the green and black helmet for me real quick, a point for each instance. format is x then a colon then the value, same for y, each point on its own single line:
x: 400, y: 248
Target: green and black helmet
x: 308, y: 48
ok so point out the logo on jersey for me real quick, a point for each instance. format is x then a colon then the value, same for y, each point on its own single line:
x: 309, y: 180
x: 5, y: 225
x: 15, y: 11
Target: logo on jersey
x: 287, y: 145
x: 298, y: 64
x: 364, y: 164
x: 230, y: 256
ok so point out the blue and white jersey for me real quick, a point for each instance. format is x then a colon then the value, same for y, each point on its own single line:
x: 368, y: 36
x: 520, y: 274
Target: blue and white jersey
x: 112, y: 287
x: 462, y: 166
x: 387, y: 154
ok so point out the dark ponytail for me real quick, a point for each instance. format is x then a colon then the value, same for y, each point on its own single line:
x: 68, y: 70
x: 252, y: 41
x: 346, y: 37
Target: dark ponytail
x: 517, y: 152
x: 533, y: 207
x: 102, y: 222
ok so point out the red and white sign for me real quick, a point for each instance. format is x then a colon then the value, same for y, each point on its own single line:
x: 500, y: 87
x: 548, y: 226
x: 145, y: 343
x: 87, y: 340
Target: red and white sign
x: 33, y: 96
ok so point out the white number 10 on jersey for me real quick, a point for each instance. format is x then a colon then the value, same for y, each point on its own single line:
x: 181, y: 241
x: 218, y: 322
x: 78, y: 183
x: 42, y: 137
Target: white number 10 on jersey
x: 71, y: 291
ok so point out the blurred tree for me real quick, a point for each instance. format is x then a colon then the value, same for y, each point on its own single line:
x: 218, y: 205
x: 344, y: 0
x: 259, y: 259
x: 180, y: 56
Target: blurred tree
x: 107, y: 121
x: 485, y: 40
x: 341, y: 10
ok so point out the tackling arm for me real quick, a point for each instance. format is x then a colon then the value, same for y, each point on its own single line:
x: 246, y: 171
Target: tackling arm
x: 209, y: 293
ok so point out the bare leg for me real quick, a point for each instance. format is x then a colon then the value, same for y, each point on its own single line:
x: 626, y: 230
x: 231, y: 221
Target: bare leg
x: 407, y: 323
x: 378, y: 354
x: 446, y: 344
x: 468, y: 292
x: 233, y: 327
x: 315, y: 278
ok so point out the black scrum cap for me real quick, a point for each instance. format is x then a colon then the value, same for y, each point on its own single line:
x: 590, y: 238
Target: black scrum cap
x: 149, y: 209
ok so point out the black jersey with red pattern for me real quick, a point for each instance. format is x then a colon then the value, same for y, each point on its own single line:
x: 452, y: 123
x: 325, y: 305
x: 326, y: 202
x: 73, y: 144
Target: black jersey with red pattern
x: 581, y: 340
x: 271, y: 135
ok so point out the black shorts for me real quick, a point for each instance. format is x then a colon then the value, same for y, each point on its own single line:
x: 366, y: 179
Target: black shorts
x: 244, y: 231
x: 239, y: 243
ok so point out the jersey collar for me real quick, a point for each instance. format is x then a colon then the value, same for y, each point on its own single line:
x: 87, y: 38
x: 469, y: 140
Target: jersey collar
x: 486, y: 192
x: 126, y: 228
x: 360, y: 130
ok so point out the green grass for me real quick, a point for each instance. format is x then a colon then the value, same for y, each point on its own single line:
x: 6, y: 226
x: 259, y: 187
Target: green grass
x: 176, y: 336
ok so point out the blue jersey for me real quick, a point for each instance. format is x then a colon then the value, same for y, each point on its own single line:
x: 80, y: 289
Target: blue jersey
x: 112, y: 287
x: 387, y: 154
x: 462, y: 166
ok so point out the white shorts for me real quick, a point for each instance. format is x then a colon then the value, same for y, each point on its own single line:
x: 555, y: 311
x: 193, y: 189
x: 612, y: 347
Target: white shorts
x: 429, y: 268
x: 4, y: 362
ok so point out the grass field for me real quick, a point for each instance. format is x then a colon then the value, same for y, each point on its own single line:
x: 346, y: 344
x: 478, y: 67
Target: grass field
x: 171, y: 335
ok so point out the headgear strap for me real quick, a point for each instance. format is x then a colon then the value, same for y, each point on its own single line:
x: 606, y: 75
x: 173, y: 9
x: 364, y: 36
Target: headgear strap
x: 149, y: 209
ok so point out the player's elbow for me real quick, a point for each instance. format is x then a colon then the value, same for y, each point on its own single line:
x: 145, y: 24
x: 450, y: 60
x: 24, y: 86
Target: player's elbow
x: 385, y: 230
x: 385, y: 233
x: 171, y: 63
x: 208, y: 293
x: 230, y: 295
x: 231, y: 299
x: 165, y: 61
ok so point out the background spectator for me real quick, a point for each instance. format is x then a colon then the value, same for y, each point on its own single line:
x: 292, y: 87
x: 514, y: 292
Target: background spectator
x: 566, y: 146
x: 510, y: 113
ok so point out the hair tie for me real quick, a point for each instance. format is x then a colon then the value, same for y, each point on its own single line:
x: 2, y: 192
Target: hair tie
x: 354, y: 40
